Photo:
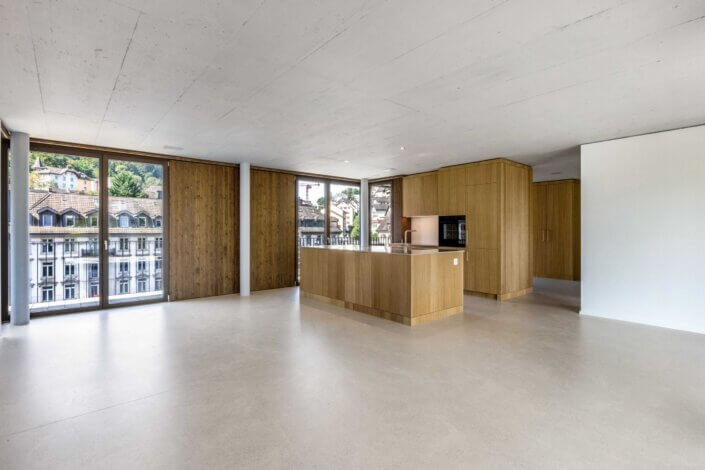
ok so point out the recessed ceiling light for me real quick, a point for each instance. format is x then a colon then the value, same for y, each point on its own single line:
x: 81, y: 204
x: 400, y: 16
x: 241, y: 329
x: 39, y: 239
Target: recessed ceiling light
x: 346, y: 161
x: 401, y: 148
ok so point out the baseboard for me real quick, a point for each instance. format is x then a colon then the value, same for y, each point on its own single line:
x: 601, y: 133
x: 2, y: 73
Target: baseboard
x: 395, y: 317
x: 505, y: 296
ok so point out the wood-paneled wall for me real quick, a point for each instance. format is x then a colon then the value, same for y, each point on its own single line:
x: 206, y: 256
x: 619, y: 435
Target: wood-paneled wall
x: 272, y: 230
x: 204, y: 206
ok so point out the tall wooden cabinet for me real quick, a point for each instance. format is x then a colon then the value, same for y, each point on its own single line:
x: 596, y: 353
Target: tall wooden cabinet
x: 556, y: 229
x: 494, y: 197
x: 497, y: 218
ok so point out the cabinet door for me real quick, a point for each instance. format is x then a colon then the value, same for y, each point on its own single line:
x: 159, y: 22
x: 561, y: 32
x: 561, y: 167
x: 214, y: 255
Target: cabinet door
x: 538, y: 229
x: 481, y: 271
x: 429, y: 194
x: 482, y: 216
x: 451, y: 191
x: 559, y: 224
x: 411, y: 196
x: 482, y: 173
x: 482, y: 219
x: 420, y: 195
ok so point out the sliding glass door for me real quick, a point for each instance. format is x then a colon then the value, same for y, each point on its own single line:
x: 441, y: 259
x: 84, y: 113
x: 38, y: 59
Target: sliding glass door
x: 97, y: 230
x: 64, y: 228
x: 135, y: 231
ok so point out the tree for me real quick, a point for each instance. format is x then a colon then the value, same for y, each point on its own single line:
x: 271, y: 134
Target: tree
x: 355, y: 232
x: 36, y: 182
x: 126, y: 184
x: 89, y: 166
x: 349, y: 197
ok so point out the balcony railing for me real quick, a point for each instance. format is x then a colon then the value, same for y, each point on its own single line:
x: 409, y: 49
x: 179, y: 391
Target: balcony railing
x: 81, y: 287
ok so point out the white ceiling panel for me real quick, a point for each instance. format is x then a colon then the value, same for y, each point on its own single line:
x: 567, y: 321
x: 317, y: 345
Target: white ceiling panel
x: 308, y: 85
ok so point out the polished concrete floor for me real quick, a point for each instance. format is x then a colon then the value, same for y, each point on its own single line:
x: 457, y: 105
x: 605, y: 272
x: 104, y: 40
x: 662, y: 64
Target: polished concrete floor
x: 268, y: 382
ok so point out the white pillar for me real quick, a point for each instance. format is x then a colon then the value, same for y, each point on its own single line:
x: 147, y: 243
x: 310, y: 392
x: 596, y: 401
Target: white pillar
x: 19, y: 228
x: 244, y: 229
x: 364, y: 213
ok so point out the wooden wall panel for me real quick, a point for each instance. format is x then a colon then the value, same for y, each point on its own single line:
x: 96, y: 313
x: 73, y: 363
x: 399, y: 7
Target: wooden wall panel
x: 272, y: 230
x: 204, y: 202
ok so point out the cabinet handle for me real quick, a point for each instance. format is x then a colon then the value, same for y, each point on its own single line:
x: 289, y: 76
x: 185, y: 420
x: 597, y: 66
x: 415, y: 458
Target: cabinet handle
x: 548, y: 235
x: 543, y: 235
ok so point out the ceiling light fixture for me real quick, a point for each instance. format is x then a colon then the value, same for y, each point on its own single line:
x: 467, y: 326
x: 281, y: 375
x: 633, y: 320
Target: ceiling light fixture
x: 401, y: 148
x: 346, y: 161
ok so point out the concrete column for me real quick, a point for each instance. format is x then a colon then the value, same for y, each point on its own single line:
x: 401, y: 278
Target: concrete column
x: 244, y: 229
x: 19, y: 228
x: 364, y: 213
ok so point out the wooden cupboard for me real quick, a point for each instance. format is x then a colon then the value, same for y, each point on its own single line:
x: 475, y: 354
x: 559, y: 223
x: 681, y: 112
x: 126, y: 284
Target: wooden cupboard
x: 420, y: 194
x: 555, y: 207
x: 497, y: 215
x: 494, y: 196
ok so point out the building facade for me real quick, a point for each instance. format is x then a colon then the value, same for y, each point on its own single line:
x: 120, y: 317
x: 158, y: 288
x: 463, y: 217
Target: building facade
x: 64, y: 249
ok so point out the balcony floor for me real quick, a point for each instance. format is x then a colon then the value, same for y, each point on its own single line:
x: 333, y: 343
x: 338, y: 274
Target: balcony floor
x: 268, y: 382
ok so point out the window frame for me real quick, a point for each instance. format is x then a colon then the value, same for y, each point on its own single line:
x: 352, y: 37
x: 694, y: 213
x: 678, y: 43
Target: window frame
x: 47, y: 269
x: 47, y: 291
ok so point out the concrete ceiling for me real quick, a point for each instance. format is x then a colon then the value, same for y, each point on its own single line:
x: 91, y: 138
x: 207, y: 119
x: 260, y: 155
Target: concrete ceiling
x: 308, y: 85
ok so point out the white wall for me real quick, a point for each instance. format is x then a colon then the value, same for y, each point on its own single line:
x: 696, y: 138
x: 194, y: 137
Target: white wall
x: 426, y: 230
x: 643, y: 229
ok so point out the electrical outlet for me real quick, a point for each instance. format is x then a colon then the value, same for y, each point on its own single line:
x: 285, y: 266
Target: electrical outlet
x: 455, y: 261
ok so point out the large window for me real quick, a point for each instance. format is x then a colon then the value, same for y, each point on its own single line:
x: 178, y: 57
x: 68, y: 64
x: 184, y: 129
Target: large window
x: 311, y: 207
x: 328, y: 213
x: 344, y: 217
x: 75, y: 261
x: 380, y: 213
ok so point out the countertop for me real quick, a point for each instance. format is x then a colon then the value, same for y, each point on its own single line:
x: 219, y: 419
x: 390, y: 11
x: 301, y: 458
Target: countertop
x: 390, y: 250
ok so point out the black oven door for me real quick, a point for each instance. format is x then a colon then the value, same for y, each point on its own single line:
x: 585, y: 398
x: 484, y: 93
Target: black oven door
x: 451, y: 231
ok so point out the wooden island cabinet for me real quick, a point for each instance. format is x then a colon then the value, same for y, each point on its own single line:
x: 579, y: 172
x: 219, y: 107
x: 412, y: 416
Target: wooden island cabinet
x: 410, y: 286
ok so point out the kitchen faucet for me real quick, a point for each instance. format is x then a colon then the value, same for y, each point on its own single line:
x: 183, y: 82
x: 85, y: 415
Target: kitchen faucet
x: 406, y: 232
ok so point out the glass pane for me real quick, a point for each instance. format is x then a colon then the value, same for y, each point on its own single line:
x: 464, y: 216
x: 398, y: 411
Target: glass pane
x: 344, y: 221
x: 64, y: 218
x: 311, y: 212
x: 135, y: 231
x: 311, y: 209
x: 381, y: 214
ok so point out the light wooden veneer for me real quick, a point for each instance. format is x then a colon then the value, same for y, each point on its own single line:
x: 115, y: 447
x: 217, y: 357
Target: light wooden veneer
x: 409, y: 289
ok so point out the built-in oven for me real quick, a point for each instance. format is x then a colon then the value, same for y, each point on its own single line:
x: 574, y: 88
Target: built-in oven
x: 451, y: 230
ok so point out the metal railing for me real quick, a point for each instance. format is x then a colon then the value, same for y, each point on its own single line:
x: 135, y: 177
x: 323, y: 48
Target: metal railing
x: 51, y: 288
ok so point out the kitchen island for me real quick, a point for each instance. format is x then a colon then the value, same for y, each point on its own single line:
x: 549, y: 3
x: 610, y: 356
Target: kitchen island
x: 404, y: 284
